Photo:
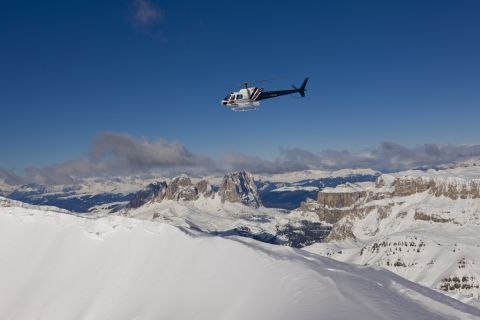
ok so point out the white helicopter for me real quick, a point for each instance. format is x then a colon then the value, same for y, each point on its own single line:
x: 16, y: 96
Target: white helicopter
x: 248, y: 99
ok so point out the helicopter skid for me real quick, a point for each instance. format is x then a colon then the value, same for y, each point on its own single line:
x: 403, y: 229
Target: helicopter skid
x: 246, y: 108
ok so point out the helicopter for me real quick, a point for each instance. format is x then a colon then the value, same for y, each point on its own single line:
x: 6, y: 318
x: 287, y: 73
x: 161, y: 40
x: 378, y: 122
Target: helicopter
x: 248, y: 99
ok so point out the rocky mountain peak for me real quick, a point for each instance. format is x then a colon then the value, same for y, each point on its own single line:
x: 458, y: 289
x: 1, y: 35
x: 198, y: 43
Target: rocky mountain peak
x: 240, y: 187
x: 181, y: 188
x: 235, y: 187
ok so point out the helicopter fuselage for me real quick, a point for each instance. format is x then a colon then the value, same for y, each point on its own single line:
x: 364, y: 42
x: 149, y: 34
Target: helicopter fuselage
x: 243, y: 100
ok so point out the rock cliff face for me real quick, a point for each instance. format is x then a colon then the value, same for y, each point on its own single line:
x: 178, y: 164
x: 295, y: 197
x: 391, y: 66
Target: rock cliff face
x: 239, y: 187
x: 451, y: 187
x: 151, y: 192
x: 333, y: 204
x: 340, y: 199
x: 179, y: 188
x: 205, y: 188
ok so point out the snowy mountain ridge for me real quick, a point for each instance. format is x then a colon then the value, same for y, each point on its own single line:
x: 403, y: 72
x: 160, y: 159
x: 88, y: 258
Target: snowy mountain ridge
x: 69, y: 267
x: 5, y: 202
x: 235, y: 187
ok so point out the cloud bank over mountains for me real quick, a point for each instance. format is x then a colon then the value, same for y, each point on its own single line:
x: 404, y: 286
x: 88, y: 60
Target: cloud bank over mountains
x: 388, y: 157
x: 114, y: 153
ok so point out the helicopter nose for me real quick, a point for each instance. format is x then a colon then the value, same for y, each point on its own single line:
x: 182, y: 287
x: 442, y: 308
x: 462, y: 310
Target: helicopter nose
x: 224, y: 103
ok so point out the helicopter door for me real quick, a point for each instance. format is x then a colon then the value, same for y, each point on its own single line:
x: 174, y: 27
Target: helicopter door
x: 232, y: 98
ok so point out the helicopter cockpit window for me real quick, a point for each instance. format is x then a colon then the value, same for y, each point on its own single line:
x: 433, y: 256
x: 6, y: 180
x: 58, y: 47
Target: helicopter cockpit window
x: 227, y: 97
x: 232, y: 97
x: 239, y: 96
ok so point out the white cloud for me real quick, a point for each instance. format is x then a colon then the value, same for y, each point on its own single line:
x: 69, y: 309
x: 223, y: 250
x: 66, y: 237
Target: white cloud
x: 145, y: 13
x: 114, y: 153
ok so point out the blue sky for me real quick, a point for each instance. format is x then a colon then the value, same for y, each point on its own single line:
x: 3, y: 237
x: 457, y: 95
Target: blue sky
x: 400, y: 71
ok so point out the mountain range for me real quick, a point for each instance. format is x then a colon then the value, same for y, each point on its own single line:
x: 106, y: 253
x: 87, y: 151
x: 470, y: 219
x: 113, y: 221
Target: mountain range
x: 422, y: 225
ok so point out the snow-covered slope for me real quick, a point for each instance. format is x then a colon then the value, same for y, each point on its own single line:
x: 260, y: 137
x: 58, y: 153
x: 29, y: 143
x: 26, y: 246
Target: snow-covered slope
x: 212, y: 215
x: 81, y: 195
x: 58, y: 266
x: 296, y: 176
x: 423, y: 225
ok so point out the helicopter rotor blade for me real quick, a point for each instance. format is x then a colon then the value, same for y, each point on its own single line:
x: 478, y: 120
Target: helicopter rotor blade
x: 247, y: 83
x: 267, y: 80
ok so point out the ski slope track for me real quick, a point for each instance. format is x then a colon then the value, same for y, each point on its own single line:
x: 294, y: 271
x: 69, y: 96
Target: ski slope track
x: 55, y: 265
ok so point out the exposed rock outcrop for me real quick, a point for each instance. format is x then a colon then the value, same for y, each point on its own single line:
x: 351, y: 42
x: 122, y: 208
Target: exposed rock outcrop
x: 420, y: 215
x: 333, y: 204
x: 451, y: 187
x: 152, y: 192
x: 340, y: 199
x: 181, y: 188
x: 205, y: 188
x: 239, y: 187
